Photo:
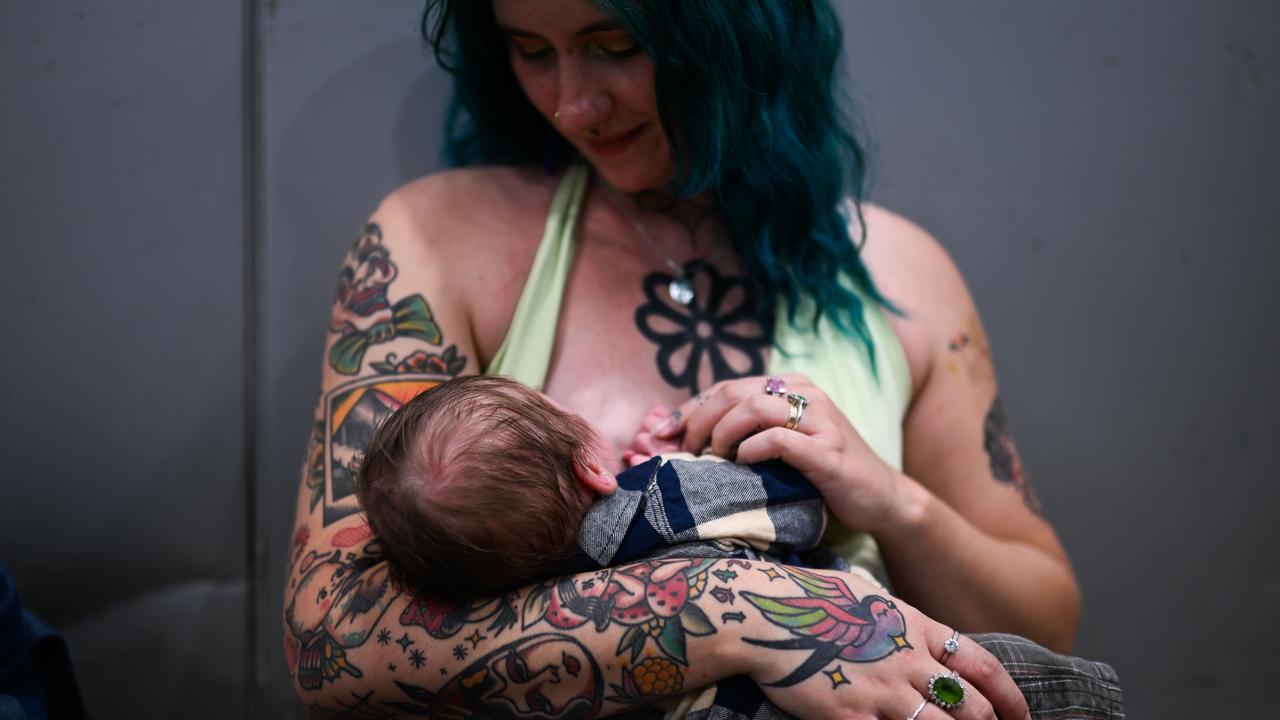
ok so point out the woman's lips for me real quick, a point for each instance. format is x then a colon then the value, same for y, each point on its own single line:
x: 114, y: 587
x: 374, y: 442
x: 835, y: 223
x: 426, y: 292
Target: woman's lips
x: 615, y: 145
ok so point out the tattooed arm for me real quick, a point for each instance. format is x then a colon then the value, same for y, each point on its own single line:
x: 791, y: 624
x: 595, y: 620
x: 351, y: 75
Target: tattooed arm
x: 594, y: 644
x: 965, y: 490
x: 960, y: 528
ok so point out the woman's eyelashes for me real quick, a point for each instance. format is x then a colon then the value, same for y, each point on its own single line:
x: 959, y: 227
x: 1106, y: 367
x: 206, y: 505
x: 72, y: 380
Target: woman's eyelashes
x: 613, y: 53
x: 620, y: 49
x: 543, y: 53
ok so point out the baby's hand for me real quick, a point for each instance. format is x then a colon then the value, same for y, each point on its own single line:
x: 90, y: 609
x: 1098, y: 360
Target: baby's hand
x: 644, y: 445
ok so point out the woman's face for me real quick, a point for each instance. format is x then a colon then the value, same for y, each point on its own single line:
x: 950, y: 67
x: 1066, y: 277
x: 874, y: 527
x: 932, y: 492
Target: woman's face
x: 572, y: 59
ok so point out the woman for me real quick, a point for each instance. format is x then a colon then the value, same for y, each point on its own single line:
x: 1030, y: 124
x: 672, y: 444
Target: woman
x: 697, y: 176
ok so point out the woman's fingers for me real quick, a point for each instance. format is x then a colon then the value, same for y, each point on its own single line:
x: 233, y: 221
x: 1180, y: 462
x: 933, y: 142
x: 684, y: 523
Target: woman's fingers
x: 980, y: 670
x: 975, y: 705
x: 755, y: 414
x: 698, y: 416
x: 798, y: 450
x: 913, y: 706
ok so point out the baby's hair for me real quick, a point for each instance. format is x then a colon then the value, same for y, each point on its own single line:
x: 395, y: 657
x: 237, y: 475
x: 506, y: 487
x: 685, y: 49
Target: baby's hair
x: 471, y: 490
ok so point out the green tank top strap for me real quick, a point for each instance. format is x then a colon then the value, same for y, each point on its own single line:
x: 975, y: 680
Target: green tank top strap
x: 873, y: 396
x: 525, y: 353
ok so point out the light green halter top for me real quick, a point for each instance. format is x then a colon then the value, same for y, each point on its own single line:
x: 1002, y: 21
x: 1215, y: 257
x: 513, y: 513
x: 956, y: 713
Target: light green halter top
x: 837, y: 364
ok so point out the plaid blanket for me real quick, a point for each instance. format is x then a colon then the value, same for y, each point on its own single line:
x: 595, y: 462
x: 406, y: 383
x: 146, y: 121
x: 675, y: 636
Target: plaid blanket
x: 681, y: 507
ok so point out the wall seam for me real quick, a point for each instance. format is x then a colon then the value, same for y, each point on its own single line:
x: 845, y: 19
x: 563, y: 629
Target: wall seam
x: 252, y: 138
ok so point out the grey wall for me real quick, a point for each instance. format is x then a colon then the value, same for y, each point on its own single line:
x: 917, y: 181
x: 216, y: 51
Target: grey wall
x: 1104, y: 172
x: 1106, y: 175
x: 123, y: 452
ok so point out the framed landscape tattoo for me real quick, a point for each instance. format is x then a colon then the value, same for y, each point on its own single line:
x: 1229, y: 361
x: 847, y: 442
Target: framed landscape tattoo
x: 351, y: 414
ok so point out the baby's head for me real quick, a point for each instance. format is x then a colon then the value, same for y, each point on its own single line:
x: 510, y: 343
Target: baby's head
x: 478, y: 486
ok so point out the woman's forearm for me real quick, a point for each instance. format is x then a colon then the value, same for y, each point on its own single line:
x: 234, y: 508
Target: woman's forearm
x: 958, y: 574
x: 594, y: 643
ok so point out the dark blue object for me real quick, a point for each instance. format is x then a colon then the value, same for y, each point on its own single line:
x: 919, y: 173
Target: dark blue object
x: 36, y: 681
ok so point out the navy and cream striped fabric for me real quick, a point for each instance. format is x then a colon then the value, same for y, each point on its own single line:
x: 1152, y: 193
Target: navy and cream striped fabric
x: 704, y: 506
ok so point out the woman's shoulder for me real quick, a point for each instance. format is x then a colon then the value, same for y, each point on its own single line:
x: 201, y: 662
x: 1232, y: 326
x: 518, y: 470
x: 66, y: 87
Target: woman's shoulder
x: 484, y: 204
x: 914, y: 271
x: 903, y: 257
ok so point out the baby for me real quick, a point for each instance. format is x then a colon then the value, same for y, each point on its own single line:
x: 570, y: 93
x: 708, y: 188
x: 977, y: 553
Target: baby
x: 482, y: 485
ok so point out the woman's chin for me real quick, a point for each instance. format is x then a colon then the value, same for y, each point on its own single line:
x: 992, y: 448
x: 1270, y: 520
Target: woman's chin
x: 632, y: 180
x: 635, y: 172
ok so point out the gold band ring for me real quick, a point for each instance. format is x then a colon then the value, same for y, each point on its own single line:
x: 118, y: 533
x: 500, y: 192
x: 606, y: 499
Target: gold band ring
x: 797, y: 405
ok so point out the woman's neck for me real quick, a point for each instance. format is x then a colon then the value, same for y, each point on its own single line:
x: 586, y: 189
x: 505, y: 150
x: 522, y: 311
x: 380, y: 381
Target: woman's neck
x: 693, y: 214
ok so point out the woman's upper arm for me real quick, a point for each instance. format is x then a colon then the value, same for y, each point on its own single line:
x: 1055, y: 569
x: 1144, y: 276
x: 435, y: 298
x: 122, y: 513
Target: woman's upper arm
x: 395, y: 329
x: 956, y: 440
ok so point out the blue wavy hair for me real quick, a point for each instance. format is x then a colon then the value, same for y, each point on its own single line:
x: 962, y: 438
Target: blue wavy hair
x: 747, y: 94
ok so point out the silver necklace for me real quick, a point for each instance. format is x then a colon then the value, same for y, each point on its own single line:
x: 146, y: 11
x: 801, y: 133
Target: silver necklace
x: 681, y: 286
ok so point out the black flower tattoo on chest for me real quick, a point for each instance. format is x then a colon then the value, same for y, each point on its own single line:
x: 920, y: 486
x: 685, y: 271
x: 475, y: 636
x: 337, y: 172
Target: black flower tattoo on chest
x: 716, y: 336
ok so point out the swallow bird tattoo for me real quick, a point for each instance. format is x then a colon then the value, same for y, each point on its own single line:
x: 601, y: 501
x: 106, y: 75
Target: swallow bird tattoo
x: 831, y: 622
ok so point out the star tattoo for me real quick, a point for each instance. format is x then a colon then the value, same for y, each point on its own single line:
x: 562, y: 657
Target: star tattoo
x: 771, y: 573
x: 725, y: 575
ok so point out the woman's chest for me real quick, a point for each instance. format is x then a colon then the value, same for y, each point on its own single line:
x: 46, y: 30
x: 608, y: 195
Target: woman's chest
x: 631, y: 338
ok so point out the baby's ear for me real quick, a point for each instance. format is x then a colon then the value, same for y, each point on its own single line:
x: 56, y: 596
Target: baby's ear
x: 593, y: 476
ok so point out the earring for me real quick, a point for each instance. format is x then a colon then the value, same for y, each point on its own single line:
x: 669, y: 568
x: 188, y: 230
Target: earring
x: 557, y: 116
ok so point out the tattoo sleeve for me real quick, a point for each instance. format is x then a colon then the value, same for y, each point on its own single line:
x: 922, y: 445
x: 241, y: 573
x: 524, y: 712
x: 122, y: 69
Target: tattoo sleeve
x: 581, y: 646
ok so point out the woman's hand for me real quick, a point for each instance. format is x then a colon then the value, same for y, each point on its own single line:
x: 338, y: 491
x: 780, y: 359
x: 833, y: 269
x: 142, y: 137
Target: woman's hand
x: 737, y: 419
x: 895, y: 688
x: 848, y: 651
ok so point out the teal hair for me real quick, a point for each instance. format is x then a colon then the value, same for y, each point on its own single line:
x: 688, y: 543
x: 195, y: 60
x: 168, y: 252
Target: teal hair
x: 748, y: 96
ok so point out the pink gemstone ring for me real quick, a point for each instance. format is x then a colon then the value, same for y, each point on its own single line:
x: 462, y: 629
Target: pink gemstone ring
x: 775, y: 386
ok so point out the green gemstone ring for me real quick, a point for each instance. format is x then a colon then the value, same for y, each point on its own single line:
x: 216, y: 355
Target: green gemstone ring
x: 946, y: 690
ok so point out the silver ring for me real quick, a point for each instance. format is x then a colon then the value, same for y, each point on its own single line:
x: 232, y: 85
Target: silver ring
x: 798, y: 404
x: 950, y: 647
x: 946, y: 690
x: 919, y: 707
